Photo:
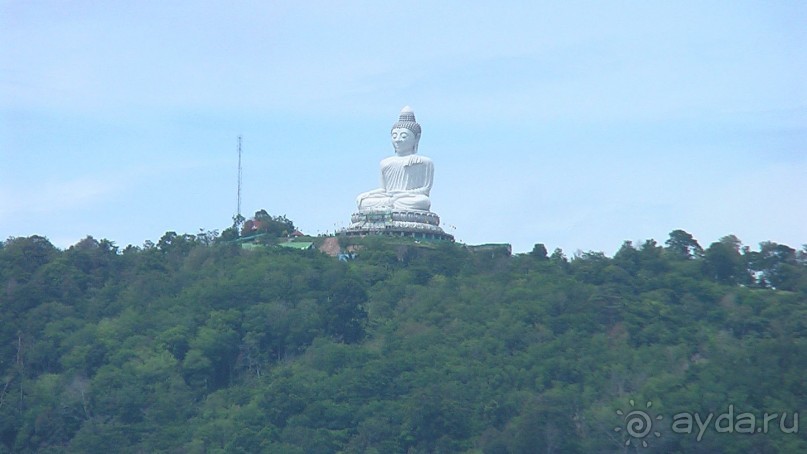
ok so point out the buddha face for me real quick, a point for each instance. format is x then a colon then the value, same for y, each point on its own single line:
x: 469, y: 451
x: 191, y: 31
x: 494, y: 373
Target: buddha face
x: 404, y: 141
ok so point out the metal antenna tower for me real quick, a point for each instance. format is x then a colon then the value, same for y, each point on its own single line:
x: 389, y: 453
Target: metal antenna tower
x: 238, y: 211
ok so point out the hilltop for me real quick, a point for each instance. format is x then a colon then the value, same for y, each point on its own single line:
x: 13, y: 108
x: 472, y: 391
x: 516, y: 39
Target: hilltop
x: 197, y: 344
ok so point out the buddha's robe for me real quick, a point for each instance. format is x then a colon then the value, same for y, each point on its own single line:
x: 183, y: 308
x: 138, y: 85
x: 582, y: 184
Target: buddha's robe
x: 405, y: 185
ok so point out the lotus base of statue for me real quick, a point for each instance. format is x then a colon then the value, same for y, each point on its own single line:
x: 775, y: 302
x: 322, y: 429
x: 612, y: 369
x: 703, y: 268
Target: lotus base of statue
x: 414, y: 224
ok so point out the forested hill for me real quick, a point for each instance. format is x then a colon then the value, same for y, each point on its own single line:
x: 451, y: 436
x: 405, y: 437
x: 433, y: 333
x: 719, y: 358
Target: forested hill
x: 198, y: 345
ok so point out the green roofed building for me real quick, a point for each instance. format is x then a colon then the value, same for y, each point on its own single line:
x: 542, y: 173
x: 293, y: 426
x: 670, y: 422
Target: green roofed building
x: 300, y: 245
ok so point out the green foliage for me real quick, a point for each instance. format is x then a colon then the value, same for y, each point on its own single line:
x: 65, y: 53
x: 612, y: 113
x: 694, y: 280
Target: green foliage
x: 266, y: 224
x: 724, y: 263
x: 683, y: 245
x: 193, y: 344
x: 539, y: 252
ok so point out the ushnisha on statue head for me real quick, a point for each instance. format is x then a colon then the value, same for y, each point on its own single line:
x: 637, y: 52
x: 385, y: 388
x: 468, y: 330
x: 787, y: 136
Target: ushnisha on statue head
x: 405, y: 133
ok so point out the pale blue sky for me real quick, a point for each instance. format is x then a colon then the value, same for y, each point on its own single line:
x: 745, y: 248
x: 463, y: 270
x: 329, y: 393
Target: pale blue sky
x: 575, y: 124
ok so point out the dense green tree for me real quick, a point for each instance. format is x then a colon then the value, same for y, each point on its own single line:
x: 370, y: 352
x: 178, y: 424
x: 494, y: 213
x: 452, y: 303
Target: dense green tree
x: 264, y: 223
x: 559, y: 259
x: 724, y: 263
x: 23, y: 256
x: 682, y: 244
x: 345, y: 314
x: 776, y: 264
x: 539, y: 252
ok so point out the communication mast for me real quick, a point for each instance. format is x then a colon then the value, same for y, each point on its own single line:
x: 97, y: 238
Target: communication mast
x: 238, y: 218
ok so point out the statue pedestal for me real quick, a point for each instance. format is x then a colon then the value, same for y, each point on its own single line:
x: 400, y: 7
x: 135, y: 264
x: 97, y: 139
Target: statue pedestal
x: 413, y: 224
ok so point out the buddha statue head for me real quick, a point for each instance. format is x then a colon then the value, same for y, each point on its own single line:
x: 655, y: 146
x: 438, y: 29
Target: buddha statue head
x: 405, y: 133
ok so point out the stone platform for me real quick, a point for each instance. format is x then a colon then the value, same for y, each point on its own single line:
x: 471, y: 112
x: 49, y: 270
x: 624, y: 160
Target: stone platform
x: 413, y: 224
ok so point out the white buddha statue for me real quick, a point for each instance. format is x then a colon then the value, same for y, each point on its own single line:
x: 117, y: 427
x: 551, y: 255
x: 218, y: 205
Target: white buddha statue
x: 406, y: 178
